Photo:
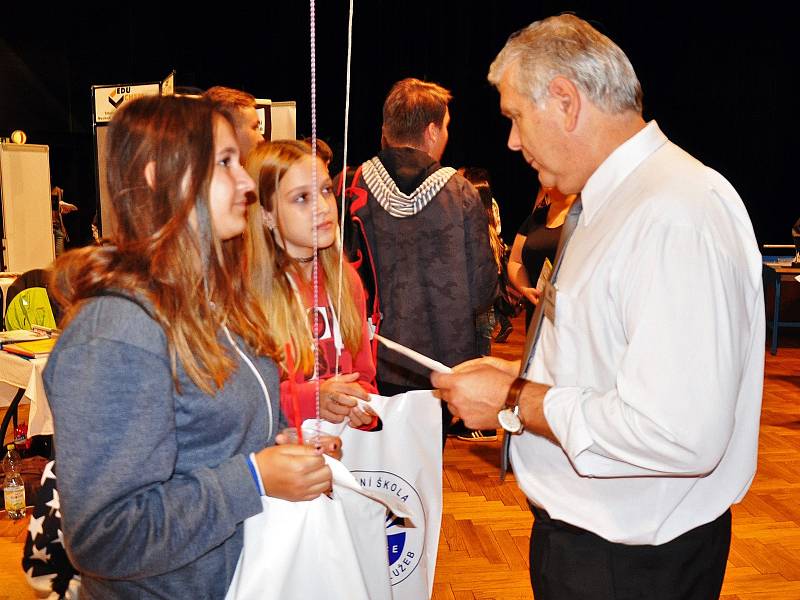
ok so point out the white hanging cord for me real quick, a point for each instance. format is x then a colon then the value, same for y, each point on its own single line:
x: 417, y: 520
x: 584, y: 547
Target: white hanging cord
x: 344, y: 163
x: 260, y: 379
x: 315, y: 195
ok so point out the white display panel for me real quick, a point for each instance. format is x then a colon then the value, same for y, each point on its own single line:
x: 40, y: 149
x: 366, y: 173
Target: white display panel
x: 284, y: 120
x: 27, y: 217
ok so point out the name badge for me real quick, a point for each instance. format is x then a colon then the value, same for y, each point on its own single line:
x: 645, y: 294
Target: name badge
x: 549, y: 299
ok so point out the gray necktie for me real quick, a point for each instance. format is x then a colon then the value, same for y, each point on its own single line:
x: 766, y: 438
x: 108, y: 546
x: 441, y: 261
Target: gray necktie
x: 538, y: 316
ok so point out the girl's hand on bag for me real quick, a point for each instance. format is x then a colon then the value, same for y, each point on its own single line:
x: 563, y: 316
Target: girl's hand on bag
x: 330, y: 445
x: 293, y: 472
x: 360, y: 417
x: 339, y: 395
x: 322, y: 442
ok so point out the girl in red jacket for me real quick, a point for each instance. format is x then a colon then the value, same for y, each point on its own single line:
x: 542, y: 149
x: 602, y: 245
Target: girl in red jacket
x: 283, y: 227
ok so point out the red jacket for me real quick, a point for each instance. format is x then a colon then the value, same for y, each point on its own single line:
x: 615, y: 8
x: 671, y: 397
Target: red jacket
x: 361, y: 363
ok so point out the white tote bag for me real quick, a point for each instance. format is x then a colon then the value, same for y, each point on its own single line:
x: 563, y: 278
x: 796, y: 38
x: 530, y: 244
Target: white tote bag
x: 331, y: 548
x: 403, y: 463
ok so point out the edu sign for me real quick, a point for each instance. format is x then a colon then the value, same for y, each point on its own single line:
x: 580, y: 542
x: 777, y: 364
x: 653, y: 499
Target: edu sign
x: 107, y: 99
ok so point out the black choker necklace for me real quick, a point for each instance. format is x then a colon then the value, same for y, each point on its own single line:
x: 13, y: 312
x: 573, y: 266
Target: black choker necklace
x: 304, y: 259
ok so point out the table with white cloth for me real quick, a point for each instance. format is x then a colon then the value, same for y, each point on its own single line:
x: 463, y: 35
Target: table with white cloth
x: 26, y: 375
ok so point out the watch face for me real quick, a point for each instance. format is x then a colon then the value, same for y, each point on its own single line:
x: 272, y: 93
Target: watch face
x: 510, y: 421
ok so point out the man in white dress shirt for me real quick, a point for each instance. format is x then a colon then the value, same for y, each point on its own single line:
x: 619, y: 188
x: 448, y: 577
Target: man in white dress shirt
x: 637, y: 415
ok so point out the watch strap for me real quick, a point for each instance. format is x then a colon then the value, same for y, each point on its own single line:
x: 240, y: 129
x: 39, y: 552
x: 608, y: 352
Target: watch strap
x: 512, y: 402
x: 512, y: 398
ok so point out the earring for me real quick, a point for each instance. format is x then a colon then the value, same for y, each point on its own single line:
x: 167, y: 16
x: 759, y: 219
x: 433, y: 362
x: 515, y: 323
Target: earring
x: 266, y: 218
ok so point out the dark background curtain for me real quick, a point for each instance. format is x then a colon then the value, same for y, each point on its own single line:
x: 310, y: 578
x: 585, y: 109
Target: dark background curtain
x: 714, y: 77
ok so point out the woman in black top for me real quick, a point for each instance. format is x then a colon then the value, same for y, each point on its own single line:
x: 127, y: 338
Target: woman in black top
x: 537, y: 240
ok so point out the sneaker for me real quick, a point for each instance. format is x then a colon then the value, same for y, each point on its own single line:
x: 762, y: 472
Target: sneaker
x: 502, y: 336
x: 458, y: 429
x: 479, y: 435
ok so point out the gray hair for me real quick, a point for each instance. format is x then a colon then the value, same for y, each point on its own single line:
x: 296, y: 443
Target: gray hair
x: 568, y: 46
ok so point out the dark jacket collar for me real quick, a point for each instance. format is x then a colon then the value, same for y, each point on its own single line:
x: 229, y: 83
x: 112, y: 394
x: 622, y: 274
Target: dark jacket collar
x: 408, y: 167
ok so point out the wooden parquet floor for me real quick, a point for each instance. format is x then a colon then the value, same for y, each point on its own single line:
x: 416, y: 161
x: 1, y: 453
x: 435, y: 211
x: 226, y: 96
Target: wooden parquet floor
x: 483, y: 548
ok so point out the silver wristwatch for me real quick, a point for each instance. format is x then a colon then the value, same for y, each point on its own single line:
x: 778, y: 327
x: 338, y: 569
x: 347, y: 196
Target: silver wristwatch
x: 510, y: 421
x: 509, y: 417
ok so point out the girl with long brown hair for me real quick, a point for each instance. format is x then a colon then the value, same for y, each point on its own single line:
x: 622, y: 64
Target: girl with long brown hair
x: 283, y: 226
x: 162, y: 386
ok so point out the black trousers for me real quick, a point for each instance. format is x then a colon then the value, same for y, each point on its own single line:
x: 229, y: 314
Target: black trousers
x: 569, y: 563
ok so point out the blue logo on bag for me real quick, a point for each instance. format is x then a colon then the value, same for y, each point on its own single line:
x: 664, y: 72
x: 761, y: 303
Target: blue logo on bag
x: 405, y: 544
x: 397, y: 542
